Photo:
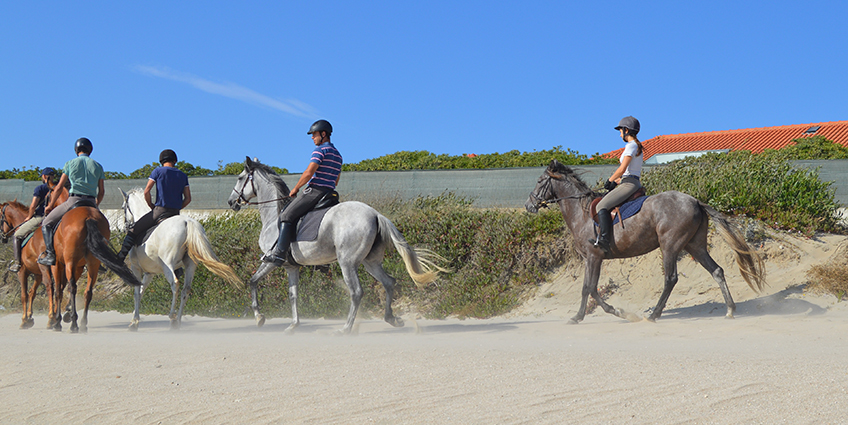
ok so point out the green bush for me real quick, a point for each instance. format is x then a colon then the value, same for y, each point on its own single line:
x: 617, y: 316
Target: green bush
x: 764, y: 186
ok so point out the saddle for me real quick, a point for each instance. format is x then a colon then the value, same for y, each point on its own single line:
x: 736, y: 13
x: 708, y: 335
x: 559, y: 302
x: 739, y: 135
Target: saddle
x: 617, y: 210
x: 307, y: 226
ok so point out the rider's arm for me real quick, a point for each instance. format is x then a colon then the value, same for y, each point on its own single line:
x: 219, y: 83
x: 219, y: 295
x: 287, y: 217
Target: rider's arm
x: 32, y: 207
x: 304, y: 178
x: 54, y: 198
x: 616, y: 176
x: 147, y: 189
x: 186, y: 197
x: 100, y: 191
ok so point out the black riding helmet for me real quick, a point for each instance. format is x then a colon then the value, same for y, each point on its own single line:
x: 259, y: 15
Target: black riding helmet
x: 321, y: 125
x: 629, y: 123
x: 83, y: 145
x: 168, y: 155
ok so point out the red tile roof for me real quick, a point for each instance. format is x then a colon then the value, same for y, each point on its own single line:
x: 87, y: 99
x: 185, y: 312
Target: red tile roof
x: 753, y: 139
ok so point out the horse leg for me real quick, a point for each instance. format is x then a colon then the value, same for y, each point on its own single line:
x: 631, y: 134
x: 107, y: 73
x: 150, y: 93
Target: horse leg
x: 670, y: 267
x: 263, y: 271
x: 26, y: 299
x: 72, y: 288
x: 190, y: 268
x: 58, y: 292
x: 355, y: 290
x: 702, y: 256
x: 375, y: 268
x: 138, y: 291
x: 294, y: 277
x: 89, y: 292
x: 172, y: 279
x: 590, y: 287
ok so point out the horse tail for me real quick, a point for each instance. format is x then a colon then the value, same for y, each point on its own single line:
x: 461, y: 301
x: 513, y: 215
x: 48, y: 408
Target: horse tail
x: 750, y: 262
x: 200, y: 251
x: 420, y: 263
x: 99, y: 247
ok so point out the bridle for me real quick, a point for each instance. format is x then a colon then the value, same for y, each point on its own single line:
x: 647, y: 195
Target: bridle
x: 242, y: 200
x: 543, y: 203
x: 3, y: 222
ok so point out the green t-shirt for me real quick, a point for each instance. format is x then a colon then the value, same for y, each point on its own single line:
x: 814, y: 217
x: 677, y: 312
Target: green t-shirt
x: 84, y: 174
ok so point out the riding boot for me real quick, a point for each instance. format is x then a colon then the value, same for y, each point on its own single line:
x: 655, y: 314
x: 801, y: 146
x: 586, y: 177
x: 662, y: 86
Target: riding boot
x: 604, y: 231
x: 280, y: 254
x: 16, y: 246
x: 126, y: 246
x: 48, y: 257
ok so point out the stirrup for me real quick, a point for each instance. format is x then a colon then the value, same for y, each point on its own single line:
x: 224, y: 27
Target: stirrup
x: 273, y: 258
x: 15, y: 267
x: 47, y: 259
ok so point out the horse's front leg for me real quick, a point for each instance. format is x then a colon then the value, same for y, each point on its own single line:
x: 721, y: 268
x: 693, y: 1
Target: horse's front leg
x: 26, y: 298
x: 294, y: 277
x: 590, y: 286
x: 263, y: 271
x: 670, y: 267
x: 138, y: 291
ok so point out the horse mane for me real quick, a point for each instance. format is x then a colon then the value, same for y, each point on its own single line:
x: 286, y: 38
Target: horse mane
x: 278, y: 182
x: 565, y: 173
x: 17, y: 205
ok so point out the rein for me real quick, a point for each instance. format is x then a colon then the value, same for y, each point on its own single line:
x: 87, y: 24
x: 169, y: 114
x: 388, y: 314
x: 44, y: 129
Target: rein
x: 243, y: 200
x: 543, y: 203
x: 3, y: 222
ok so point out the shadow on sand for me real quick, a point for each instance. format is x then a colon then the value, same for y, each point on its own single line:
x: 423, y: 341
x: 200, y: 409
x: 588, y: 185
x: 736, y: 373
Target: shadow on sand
x: 775, y: 304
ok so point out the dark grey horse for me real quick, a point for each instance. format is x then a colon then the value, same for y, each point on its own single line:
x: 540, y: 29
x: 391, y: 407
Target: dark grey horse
x: 672, y: 221
x: 351, y: 233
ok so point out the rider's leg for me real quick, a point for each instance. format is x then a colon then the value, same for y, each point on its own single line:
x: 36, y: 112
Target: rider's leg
x: 48, y: 258
x: 16, y: 247
x: 604, y: 231
x: 281, y: 251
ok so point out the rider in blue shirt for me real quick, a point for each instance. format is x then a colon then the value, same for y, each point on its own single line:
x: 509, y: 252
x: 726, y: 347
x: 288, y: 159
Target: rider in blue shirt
x: 321, y: 177
x: 40, y: 199
x: 172, y: 195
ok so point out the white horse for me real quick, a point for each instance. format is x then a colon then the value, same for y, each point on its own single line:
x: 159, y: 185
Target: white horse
x: 178, y: 242
x: 351, y: 233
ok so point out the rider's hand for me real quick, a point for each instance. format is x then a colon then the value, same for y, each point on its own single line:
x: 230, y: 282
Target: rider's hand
x: 293, y: 193
x: 610, y: 185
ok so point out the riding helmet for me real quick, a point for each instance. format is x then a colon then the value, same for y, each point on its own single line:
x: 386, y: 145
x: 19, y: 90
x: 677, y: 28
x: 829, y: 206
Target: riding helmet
x: 168, y: 155
x: 629, y: 123
x: 83, y: 145
x: 321, y: 125
x: 47, y: 171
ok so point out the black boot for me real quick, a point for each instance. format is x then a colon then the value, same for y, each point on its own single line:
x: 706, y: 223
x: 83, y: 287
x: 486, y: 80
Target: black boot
x: 604, y: 231
x: 126, y: 246
x: 16, y: 246
x: 48, y: 257
x: 280, y: 253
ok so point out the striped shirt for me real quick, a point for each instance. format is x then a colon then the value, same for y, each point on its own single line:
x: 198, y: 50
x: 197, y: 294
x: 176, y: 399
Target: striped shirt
x: 329, y: 162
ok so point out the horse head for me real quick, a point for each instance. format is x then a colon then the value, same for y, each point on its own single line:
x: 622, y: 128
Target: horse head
x: 557, y: 183
x: 244, y: 190
x: 256, y: 178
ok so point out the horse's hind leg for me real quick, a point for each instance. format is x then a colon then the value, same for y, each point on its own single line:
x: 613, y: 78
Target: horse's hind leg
x: 375, y: 268
x: 190, y: 268
x: 89, y: 293
x: 72, y: 288
x: 355, y: 289
x: 138, y: 292
x: 172, y: 279
x: 698, y: 251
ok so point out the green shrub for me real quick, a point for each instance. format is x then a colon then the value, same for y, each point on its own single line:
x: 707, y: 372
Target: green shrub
x: 764, y: 186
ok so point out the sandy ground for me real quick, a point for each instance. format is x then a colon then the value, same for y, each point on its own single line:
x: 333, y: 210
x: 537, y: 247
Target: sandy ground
x: 782, y: 360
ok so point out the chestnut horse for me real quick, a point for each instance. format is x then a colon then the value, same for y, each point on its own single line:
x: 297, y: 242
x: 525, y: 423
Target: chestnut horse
x: 671, y: 221
x: 81, y: 240
x: 12, y: 216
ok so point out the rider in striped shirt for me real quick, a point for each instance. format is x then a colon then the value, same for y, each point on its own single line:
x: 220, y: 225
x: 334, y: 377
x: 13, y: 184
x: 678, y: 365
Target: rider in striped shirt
x: 320, y: 178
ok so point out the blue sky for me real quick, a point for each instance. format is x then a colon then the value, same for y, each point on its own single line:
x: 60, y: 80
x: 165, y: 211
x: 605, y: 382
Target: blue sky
x: 218, y: 81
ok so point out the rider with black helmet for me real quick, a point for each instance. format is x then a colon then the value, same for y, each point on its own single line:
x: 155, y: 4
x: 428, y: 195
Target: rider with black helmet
x: 320, y: 177
x: 40, y: 199
x: 623, y: 183
x: 172, y: 195
x: 86, y: 177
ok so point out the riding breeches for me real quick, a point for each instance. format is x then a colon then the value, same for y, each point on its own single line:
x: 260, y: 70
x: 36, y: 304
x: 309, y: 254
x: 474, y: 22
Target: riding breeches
x: 627, y: 187
x: 157, y: 215
x: 303, y: 203
x: 28, y: 227
x: 53, y: 218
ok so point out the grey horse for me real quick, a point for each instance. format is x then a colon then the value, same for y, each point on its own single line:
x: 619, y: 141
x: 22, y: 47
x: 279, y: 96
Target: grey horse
x: 672, y: 221
x: 351, y: 233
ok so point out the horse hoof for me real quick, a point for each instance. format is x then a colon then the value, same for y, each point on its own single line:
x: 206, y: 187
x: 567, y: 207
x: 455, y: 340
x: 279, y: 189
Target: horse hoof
x: 28, y: 323
x: 57, y: 327
x: 133, y: 327
x: 74, y: 329
x: 572, y: 321
x: 729, y: 316
x: 260, y: 320
x: 395, y: 321
x: 66, y: 317
x: 290, y: 330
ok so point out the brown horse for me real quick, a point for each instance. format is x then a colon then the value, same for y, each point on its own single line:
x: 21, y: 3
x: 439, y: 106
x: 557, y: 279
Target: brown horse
x: 12, y: 216
x: 81, y: 240
x: 672, y: 221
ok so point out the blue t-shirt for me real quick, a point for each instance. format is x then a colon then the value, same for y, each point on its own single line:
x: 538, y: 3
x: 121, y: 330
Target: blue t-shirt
x: 41, y: 192
x: 170, y: 184
x: 329, y: 162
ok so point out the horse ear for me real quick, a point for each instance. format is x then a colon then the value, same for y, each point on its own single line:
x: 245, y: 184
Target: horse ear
x: 248, y: 164
x: 124, y: 193
x: 553, y: 165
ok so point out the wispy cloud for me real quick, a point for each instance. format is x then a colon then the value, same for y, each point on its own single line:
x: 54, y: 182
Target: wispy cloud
x: 233, y: 91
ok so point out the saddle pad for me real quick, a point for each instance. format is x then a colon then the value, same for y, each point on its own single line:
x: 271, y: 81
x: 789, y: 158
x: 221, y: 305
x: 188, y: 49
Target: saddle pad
x: 307, y: 227
x: 29, y: 236
x: 630, y: 208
